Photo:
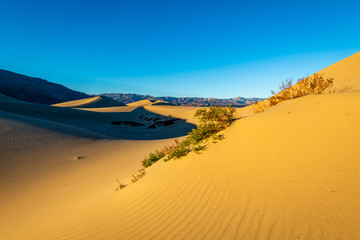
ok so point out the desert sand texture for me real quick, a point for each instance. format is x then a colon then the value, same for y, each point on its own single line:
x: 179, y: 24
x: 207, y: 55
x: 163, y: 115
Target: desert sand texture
x: 291, y: 172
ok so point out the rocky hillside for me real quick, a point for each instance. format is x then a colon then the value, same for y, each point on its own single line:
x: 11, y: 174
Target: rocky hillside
x: 35, y: 90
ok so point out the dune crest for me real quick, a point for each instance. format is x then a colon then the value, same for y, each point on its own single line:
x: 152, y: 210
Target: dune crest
x: 141, y: 103
x: 93, y: 102
x: 345, y: 72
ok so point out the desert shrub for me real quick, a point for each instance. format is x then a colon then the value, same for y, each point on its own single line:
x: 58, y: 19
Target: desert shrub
x: 314, y: 84
x: 152, y: 158
x: 135, y: 177
x: 203, y: 131
x: 179, y: 151
x: 259, y: 107
x: 218, y: 137
x: 197, y: 148
x: 339, y: 90
x: 220, y: 117
x: 212, y: 120
x: 120, y: 185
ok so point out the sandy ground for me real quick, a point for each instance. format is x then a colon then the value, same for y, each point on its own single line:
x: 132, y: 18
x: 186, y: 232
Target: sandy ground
x: 291, y: 172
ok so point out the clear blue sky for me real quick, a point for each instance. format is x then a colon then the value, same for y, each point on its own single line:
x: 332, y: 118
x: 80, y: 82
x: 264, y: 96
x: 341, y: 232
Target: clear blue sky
x: 176, y: 47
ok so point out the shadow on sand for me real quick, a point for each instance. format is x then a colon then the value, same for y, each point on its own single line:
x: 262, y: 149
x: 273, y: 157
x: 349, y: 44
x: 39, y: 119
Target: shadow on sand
x: 138, y: 124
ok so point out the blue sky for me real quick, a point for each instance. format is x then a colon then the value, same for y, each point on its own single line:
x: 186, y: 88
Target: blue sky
x: 210, y: 48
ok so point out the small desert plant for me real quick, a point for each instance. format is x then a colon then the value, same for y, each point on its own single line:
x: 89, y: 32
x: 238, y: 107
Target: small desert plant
x: 120, y: 185
x: 314, y: 84
x: 218, y: 137
x: 220, y: 117
x: 198, y: 148
x: 339, y: 90
x: 159, y: 154
x: 152, y: 158
x: 203, y: 131
x: 135, y: 177
x: 212, y: 120
x: 179, y: 151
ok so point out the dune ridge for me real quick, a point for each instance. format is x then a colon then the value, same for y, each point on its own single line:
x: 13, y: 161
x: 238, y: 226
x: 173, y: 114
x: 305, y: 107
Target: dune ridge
x: 93, y: 102
x: 345, y: 72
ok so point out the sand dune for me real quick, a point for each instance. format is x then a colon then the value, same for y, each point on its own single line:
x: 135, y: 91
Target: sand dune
x: 5, y: 98
x: 162, y: 103
x: 94, y: 102
x: 346, y: 72
x: 101, y: 122
x: 148, y: 102
x: 288, y: 173
x: 291, y: 172
x: 141, y: 103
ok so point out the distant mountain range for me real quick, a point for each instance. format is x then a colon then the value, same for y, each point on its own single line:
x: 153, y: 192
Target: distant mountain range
x: 35, y: 90
x: 183, y: 101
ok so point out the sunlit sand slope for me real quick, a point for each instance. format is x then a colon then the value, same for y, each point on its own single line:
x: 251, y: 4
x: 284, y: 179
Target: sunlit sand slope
x: 289, y: 173
x: 145, y: 102
x: 345, y: 72
x: 94, y: 102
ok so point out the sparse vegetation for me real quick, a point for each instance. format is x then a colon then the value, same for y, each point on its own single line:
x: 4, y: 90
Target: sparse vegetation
x: 314, y: 84
x: 217, y: 137
x: 135, y: 177
x: 212, y: 120
x: 179, y: 151
x: 339, y: 90
x: 152, y: 158
x: 120, y: 185
x: 198, y: 148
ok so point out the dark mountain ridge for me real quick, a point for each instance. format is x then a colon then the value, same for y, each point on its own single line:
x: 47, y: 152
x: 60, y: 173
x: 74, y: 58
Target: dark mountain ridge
x: 35, y: 90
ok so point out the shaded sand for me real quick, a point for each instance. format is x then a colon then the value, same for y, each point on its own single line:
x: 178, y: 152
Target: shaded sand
x: 94, y: 102
x: 101, y: 122
x: 4, y: 98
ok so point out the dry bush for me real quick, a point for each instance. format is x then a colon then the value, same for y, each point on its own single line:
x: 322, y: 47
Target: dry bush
x: 198, y: 148
x: 314, y: 84
x: 212, y: 120
x: 120, y: 185
x: 340, y: 89
x: 182, y: 149
x: 167, y: 149
x: 135, y: 177
x: 159, y: 154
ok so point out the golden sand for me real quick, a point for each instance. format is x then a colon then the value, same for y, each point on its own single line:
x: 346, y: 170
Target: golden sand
x: 291, y: 172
